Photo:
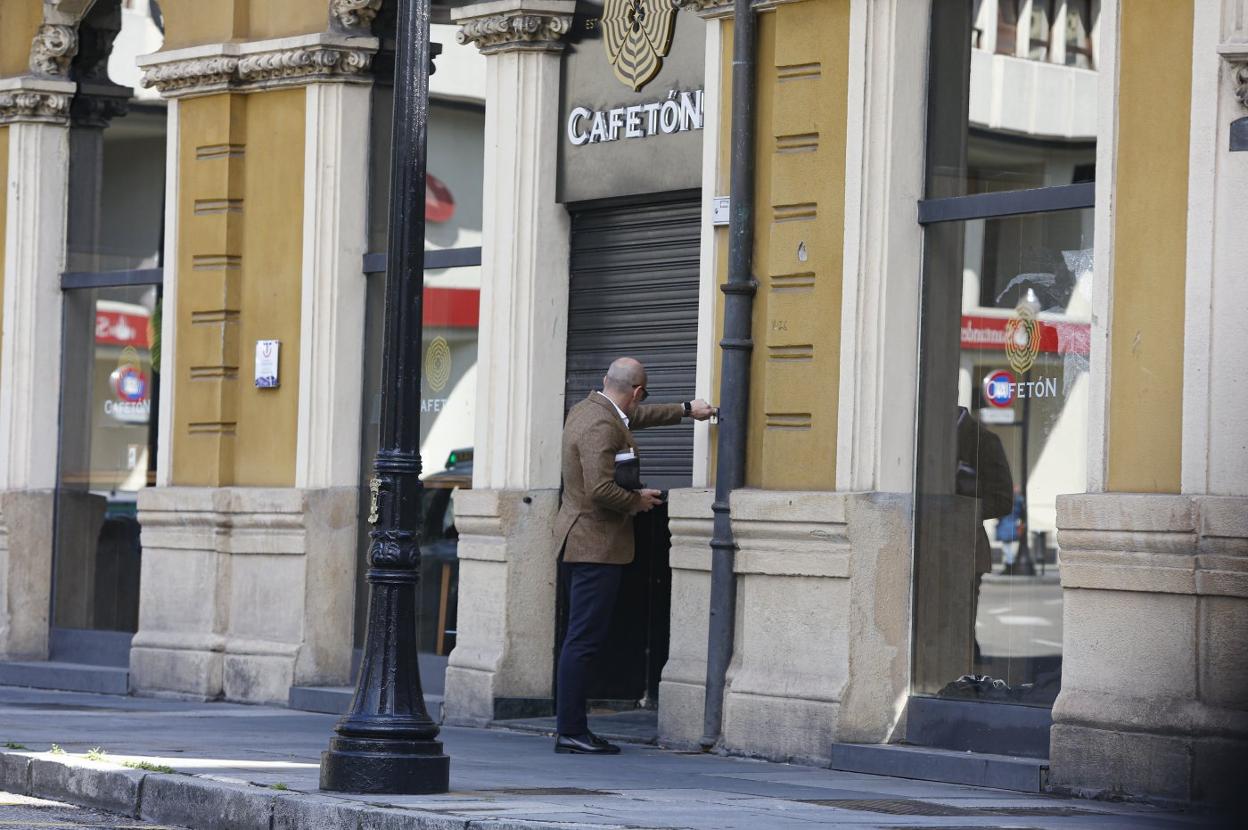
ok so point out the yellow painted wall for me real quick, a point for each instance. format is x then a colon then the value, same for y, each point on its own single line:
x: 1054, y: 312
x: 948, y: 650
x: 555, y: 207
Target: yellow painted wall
x: 196, y: 22
x: 19, y: 20
x: 239, y: 263
x: 1150, y: 244
x: 803, y: 58
x: 4, y: 218
x: 281, y: 18
x: 272, y: 279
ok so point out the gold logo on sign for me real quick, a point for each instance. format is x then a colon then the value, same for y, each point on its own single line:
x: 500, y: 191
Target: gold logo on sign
x: 438, y: 363
x: 637, y: 34
x: 1022, y: 340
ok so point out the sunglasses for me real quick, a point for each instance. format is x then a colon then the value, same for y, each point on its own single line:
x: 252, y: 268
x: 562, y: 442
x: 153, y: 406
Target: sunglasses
x: 645, y: 393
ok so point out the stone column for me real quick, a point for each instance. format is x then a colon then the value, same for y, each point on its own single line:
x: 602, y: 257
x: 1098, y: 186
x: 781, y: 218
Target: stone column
x: 1154, y: 698
x: 502, y: 662
x: 248, y: 577
x: 35, y: 111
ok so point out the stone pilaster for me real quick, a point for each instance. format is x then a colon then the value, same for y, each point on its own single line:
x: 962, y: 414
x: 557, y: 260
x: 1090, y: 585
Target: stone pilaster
x: 1154, y: 696
x: 502, y: 660
x: 248, y: 583
x: 822, y: 646
x: 254, y: 591
x: 682, y: 690
x: 35, y: 111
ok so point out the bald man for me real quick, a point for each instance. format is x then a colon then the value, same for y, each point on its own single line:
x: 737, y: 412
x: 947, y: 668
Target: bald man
x: 594, y: 528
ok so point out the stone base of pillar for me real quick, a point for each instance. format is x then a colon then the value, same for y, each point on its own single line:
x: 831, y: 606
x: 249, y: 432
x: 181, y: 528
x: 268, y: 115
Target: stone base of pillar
x: 26, y: 544
x: 502, y: 663
x: 244, y: 591
x: 682, y: 690
x: 822, y: 649
x: 1154, y: 698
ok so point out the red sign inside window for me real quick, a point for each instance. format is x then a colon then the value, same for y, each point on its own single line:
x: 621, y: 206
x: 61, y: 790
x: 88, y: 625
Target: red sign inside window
x: 117, y: 328
x: 1055, y: 338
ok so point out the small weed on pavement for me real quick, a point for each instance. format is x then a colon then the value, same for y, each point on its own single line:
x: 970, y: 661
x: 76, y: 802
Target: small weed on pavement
x: 147, y: 766
x: 96, y: 753
x: 11, y: 745
x: 56, y: 750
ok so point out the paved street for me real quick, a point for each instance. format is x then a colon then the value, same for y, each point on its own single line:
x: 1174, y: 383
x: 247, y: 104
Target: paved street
x: 500, y: 777
x: 17, y: 811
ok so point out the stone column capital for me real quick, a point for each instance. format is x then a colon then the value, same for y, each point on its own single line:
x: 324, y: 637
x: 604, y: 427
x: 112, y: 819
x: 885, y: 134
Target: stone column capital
x: 28, y: 99
x: 515, y: 25
x: 294, y: 61
x: 1235, y: 53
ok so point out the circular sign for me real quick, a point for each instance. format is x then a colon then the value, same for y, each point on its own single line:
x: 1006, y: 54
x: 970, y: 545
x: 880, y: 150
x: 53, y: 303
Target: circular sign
x: 999, y: 388
x: 438, y: 364
x: 130, y: 384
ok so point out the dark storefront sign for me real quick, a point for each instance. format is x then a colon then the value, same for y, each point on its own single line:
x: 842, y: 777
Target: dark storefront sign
x: 632, y: 105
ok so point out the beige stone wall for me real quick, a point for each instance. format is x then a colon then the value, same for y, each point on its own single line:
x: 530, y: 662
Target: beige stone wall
x: 246, y: 591
x: 506, y: 621
x: 1154, y: 694
x: 822, y: 630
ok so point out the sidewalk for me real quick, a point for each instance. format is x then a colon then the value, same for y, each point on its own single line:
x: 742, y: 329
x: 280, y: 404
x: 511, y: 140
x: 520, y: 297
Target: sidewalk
x: 243, y: 767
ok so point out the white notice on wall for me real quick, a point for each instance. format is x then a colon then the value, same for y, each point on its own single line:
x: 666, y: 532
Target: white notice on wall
x: 266, y: 363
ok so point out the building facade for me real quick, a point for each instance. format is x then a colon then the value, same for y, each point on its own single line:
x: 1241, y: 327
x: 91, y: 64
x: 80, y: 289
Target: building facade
x: 997, y: 459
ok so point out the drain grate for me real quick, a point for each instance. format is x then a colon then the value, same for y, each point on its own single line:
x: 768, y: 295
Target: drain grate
x: 1036, y: 812
x: 894, y: 807
x: 912, y: 807
x: 551, y: 791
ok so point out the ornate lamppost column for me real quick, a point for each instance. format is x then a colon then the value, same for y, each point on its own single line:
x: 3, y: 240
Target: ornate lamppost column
x: 387, y: 743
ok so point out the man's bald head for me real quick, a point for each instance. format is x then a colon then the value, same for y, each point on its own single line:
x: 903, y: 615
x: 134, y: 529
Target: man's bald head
x: 624, y: 375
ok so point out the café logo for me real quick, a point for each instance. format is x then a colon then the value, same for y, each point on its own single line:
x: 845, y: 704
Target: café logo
x: 637, y: 35
x: 438, y: 364
x: 1022, y: 339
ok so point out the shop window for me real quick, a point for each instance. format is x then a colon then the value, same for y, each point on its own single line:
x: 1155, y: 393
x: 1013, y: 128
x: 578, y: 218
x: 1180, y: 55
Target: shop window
x: 1041, y: 30
x: 1004, y: 373
x: 1007, y: 27
x: 1079, y: 33
x: 453, y: 222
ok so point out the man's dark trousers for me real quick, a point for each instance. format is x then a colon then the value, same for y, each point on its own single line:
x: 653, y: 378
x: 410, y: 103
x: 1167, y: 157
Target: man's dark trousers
x: 592, y: 589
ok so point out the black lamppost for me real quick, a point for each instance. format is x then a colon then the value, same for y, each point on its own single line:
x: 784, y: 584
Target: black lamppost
x: 387, y: 743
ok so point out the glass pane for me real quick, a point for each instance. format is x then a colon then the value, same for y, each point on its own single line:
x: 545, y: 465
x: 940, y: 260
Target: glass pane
x: 116, y: 206
x: 998, y: 121
x: 453, y: 192
x: 1003, y: 420
x: 108, y: 453
x: 448, y: 413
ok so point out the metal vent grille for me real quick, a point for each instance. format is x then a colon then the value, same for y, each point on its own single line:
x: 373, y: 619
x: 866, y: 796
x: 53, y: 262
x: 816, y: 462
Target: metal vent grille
x: 634, y: 291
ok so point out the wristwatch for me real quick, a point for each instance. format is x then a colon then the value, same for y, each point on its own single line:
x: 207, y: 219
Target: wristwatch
x: 688, y: 408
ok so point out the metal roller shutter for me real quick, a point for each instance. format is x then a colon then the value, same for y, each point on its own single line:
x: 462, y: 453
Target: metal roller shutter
x: 634, y: 292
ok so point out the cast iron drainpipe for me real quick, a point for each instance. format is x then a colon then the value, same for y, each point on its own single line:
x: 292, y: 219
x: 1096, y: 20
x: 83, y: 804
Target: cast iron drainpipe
x: 734, y: 383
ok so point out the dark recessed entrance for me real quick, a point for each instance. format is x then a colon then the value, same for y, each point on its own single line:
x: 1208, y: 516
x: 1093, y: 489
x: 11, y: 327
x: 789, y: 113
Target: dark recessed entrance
x: 634, y: 291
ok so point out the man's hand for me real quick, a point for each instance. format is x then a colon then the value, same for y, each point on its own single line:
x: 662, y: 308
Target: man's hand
x: 650, y: 499
x: 700, y: 410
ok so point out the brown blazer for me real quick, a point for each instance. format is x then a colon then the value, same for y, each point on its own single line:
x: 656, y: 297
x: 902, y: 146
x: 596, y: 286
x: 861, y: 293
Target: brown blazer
x: 595, y: 521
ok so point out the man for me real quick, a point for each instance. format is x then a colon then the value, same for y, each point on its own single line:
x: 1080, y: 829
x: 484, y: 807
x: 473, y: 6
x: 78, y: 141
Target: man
x: 594, y: 528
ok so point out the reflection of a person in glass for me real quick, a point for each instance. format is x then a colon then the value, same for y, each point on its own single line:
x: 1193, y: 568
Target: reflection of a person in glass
x: 984, y: 474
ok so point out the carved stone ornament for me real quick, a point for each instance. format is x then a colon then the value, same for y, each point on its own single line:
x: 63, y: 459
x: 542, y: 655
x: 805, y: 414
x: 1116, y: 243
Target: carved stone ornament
x: 26, y: 106
x: 355, y: 14
x: 262, y: 70
x: 697, y: 6
x: 516, y: 31
x: 53, y: 49
x: 1240, y: 79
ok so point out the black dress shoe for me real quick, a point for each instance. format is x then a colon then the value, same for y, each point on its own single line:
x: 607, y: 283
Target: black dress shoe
x: 584, y: 745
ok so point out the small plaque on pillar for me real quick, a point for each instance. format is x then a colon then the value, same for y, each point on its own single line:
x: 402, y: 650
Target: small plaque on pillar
x: 266, y: 363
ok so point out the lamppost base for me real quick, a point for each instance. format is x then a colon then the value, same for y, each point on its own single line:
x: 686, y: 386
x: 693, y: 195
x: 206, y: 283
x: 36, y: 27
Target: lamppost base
x: 394, y: 767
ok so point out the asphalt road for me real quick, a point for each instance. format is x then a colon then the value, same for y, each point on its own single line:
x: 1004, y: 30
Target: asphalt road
x: 18, y: 811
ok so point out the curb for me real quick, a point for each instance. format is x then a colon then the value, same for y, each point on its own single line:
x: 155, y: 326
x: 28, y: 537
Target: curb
x: 210, y: 804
